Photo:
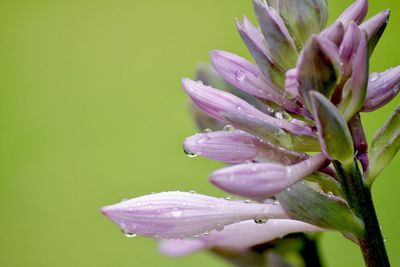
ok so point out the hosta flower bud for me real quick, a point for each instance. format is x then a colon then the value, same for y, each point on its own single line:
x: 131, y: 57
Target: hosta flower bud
x: 319, y: 68
x: 280, y: 45
x: 238, y: 237
x: 180, y: 215
x: 216, y: 103
x: 356, y: 12
x: 303, y: 17
x: 382, y: 88
x: 255, y: 43
x: 237, y: 147
x: 264, y: 179
x: 248, y: 78
x: 374, y: 27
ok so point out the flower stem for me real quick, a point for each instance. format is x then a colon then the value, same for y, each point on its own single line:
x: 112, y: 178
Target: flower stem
x: 310, y: 253
x: 360, y: 201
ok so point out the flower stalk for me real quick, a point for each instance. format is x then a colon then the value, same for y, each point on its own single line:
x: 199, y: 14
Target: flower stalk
x: 359, y: 197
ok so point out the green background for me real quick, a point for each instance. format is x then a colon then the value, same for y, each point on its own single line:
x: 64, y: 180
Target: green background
x: 92, y: 111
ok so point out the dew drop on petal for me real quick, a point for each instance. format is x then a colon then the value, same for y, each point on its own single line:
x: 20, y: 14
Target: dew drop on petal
x: 176, y: 214
x: 207, y: 130
x: 278, y: 115
x: 129, y: 235
x: 247, y: 201
x: 199, y: 82
x: 189, y: 153
x: 260, y: 221
x: 229, y: 128
x: 219, y: 227
x: 240, y: 75
x: 374, y: 77
x: 192, y: 192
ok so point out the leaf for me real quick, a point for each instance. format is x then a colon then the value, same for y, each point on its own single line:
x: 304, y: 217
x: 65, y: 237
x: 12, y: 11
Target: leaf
x: 385, y: 145
x: 334, y: 134
x: 301, y: 202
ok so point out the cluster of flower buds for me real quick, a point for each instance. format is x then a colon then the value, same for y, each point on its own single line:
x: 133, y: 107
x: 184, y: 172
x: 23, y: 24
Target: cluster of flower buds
x: 280, y: 123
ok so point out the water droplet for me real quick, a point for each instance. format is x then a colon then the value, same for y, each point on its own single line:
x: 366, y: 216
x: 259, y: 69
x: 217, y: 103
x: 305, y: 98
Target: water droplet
x: 207, y: 130
x: 189, y: 153
x: 129, y: 235
x: 278, y: 115
x: 240, y: 75
x: 247, y: 201
x: 192, y: 192
x: 206, y: 232
x: 276, y: 202
x: 227, y: 198
x: 196, y: 236
x: 219, y: 227
x: 229, y: 128
x: 176, y: 213
x: 374, y: 77
x: 199, y: 82
x: 260, y: 221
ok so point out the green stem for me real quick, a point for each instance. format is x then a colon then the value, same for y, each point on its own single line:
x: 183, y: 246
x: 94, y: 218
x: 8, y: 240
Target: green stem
x: 360, y: 200
x: 310, y: 253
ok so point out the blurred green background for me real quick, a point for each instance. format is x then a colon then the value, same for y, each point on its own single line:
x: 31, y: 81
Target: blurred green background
x: 91, y: 112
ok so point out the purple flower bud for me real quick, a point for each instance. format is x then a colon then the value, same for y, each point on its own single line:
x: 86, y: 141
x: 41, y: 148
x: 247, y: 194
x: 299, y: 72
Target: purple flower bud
x: 374, y: 27
x: 216, y: 103
x: 281, y: 47
x: 300, y: 137
x: 255, y: 43
x: 359, y: 78
x: 335, y: 33
x: 292, y: 83
x: 359, y: 140
x: 237, y: 147
x: 248, y: 78
x: 303, y: 18
x: 180, y: 215
x: 203, y: 121
x: 356, y: 12
x: 264, y: 179
x: 382, y: 88
x: 238, y: 237
x: 349, y: 46
x: 319, y: 68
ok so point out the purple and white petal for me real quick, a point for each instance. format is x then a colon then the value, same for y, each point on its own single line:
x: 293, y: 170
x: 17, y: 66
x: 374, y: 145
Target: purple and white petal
x: 239, y: 237
x: 382, y: 88
x: 247, y: 77
x: 356, y: 12
x: 335, y: 33
x: 237, y: 147
x: 216, y: 103
x: 255, y: 43
x: 264, y: 179
x: 172, y: 215
x: 374, y: 27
